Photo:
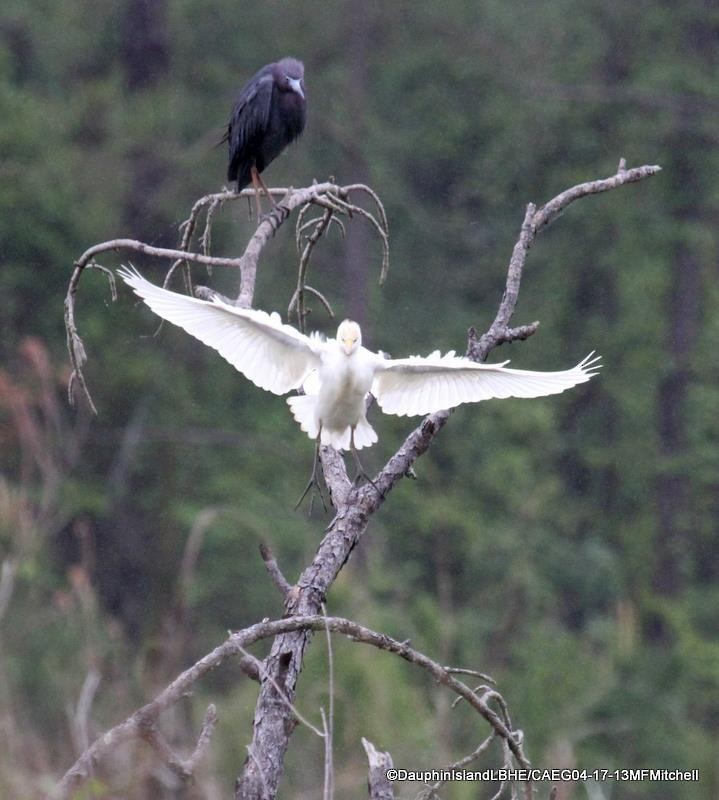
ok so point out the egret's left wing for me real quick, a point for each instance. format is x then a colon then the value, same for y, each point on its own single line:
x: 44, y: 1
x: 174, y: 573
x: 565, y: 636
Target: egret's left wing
x: 415, y: 385
x: 274, y: 356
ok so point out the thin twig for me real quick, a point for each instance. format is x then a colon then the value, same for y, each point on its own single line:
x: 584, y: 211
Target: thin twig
x: 184, y: 768
x: 310, y: 222
x: 203, y: 520
x: 7, y: 582
x: 325, y: 302
x: 206, y: 238
x: 480, y: 688
x: 312, y: 240
x: 328, y: 784
x: 109, y: 274
x: 246, y: 264
x: 430, y: 791
x: 293, y: 708
x: 272, y: 567
x: 81, y: 718
x: 472, y: 672
x: 361, y: 187
x: 329, y: 725
x: 298, y: 298
x: 145, y: 718
x: 203, y: 741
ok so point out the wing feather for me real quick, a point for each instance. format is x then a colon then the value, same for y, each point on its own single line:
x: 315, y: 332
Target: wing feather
x: 412, y: 386
x: 274, y: 356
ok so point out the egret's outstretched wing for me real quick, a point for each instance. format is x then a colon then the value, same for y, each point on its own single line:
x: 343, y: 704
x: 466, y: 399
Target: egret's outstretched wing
x: 417, y: 385
x: 272, y: 355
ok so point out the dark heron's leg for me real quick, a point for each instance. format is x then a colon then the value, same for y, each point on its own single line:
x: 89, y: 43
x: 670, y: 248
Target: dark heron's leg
x: 313, y: 481
x: 260, y: 186
x: 265, y: 189
x: 360, y: 469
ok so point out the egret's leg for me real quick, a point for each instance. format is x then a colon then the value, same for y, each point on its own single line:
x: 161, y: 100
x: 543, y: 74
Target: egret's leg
x: 360, y: 469
x: 313, y: 481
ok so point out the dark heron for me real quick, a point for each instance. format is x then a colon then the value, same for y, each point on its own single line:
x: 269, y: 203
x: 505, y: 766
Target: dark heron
x: 268, y: 115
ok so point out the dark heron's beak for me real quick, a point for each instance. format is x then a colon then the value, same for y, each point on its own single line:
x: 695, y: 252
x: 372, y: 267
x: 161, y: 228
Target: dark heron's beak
x: 296, y: 86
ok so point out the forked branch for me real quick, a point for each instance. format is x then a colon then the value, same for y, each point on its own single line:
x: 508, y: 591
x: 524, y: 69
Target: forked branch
x: 325, y: 195
x: 499, y: 332
x: 274, y: 722
x: 355, y: 505
x: 144, y: 722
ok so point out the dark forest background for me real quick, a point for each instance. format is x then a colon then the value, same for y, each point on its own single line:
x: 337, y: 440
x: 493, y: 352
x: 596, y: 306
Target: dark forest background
x: 567, y: 546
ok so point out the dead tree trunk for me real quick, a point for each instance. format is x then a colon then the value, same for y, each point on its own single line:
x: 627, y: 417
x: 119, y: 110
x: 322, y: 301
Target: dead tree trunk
x: 274, y: 723
x: 275, y: 718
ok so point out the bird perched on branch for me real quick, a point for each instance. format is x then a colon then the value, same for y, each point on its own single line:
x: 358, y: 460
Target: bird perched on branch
x: 268, y: 115
x: 337, y: 374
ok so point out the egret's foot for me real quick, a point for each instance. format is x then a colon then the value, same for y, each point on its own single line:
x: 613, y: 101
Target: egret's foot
x: 363, y: 476
x: 315, y: 487
x: 361, y: 472
x: 313, y: 484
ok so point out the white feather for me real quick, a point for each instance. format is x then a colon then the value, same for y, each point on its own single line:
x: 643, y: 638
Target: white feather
x: 415, y: 385
x: 338, y: 374
x: 273, y: 356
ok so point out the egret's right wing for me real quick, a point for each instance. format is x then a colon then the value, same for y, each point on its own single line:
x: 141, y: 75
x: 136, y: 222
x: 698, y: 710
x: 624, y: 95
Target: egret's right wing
x: 274, y: 356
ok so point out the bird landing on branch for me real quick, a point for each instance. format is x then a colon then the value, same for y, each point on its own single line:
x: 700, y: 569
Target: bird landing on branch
x: 337, y: 374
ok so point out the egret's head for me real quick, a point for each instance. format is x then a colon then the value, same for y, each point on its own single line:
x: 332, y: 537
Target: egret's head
x: 349, y: 336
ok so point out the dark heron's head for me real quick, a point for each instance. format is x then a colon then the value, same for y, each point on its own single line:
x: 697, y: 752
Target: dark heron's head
x: 289, y: 76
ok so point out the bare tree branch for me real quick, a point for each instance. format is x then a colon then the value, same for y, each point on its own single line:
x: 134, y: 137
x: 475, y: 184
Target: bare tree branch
x: 378, y: 785
x: 355, y: 505
x: 143, y: 722
x: 183, y: 768
x: 329, y: 723
x: 536, y: 220
x: 299, y: 716
x: 8, y: 570
x: 431, y: 791
x: 318, y: 194
x: 474, y: 672
x: 275, y: 721
x: 81, y: 717
x: 298, y: 298
x: 499, y: 331
x: 282, y: 584
x: 328, y: 788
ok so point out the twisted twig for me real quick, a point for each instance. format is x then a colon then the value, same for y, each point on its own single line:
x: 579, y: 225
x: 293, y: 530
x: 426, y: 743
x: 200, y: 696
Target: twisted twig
x: 318, y: 193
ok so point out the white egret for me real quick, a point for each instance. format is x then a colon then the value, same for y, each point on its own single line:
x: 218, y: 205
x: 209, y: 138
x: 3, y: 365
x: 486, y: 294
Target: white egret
x: 337, y: 374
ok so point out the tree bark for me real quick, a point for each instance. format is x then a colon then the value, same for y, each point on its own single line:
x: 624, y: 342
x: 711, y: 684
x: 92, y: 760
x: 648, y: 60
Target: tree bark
x: 274, y: 722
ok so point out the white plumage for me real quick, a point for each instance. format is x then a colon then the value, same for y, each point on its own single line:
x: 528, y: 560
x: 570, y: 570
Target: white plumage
x: 336, y: 374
